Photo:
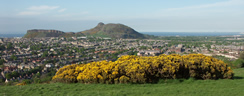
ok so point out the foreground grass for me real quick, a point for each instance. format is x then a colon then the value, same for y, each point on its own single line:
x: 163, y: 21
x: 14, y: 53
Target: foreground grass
x: 188, y: 87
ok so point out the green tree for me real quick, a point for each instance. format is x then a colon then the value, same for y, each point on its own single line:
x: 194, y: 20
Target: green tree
x: 25, y: 59
x: 38, y: 75
x: 13, y: 57
x: 2, y: 47
x: 143, y: 47
x: 2, y: 61
x: 8, y: 75
x: 34, y: 53
x: 24, y: 46
x: 239, y: 63
x: 14, y: 74
x: 242, y: 55
x: 10, y: 46
x: 45, y: 54
x: 225, y: 52
x: 101, y: 55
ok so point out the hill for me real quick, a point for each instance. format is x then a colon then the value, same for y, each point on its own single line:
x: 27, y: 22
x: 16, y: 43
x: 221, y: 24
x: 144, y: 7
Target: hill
x: 113, y: 31
x: 101, y: 30
x: 43, y: 33
x: 37, y: 33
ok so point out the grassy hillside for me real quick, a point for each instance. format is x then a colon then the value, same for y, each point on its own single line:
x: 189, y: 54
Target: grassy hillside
x: 101, y: 30
x: 188, y: 87
x: 43, y: 33
x: 39, y: 33
x: 113, y: 31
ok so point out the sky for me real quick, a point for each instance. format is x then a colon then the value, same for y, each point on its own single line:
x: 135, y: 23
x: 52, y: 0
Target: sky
x: 18, y: 16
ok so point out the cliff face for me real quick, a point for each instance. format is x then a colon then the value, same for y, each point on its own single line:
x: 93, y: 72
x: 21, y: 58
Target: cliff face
x: 113, y: 31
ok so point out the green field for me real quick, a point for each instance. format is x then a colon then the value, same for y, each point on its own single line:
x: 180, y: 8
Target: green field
x: 188, y: 87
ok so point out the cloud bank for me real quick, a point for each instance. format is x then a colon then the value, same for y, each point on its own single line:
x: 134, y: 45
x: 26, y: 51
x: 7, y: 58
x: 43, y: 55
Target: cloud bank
x: 38, y: 10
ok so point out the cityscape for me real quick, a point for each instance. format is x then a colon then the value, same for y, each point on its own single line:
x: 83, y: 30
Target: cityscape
x: 44, y: 55
x: 121, y: 48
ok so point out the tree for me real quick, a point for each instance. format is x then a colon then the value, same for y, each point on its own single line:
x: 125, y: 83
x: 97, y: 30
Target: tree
x: 13, y: 57
x: 38, y: 75
x: 143, y: 47
x: 15, y: 74
x: 242, y: 55
x: 2, y: 47
x: 133, y: 53
x: 101, y: 55
x: 225, y: 52
x: 24, y: 46
x: 8, y: 75
x: 45, y: 54
x: 239, y: 63
x: 2, y: 61
x: 34, y: 53
x: 25, y: 59
x: 10, y: 46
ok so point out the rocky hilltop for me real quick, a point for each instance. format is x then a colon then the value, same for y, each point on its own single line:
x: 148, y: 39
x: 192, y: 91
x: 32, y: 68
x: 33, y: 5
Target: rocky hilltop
x: 113, y: 31
x: 101, y: 30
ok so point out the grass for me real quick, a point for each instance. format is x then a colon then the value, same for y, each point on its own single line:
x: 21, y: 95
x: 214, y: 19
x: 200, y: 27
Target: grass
x: 188, y: 87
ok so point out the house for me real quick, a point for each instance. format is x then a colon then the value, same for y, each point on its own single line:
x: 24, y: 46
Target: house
x: 49, y: 65
x: 6, y: 81
x: 148, y: 53
x: 95, y: 56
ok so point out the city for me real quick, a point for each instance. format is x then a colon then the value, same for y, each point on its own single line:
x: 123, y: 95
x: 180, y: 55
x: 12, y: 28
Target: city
x: 32, y: 58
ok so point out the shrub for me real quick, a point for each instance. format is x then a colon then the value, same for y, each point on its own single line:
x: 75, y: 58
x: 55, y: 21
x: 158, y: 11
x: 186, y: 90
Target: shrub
x: 21, y: 84
x: 205, y: 67
x: 139, y: 69
x: 66, y: 74
x: 239, y: 63
x: 10, y: 83
x: 26, y: 81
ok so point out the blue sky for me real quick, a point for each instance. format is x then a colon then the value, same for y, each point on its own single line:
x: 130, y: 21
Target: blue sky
x: 17, y: 16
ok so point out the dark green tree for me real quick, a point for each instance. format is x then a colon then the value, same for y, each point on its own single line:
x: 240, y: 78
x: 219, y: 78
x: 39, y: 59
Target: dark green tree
x: 13, y: 57
x: 45, y: 54
x: 242, y: 55
x: 2, y: 47
x: 14, y: 74
x: 8, y: 75
x: 10, y: 46
x: 2, y: 61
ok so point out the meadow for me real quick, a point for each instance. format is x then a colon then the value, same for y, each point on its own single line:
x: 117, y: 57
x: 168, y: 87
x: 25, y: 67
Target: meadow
x: 176, y: 87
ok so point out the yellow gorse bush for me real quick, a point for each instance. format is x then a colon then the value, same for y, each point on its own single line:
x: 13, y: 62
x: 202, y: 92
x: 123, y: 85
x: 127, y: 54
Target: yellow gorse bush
x: 140, y: 69
x: 67, y: 74
x: 21, y: 84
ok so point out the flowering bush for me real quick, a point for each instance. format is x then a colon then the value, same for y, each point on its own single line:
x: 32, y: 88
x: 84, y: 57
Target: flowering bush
x: 67, y: 74
x: 139, y: 69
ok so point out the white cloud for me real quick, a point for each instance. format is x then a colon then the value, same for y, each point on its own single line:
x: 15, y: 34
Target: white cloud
x: 29, y: 13
x: 42, y: 7
x: 62, y: 10
x: 37, y: 10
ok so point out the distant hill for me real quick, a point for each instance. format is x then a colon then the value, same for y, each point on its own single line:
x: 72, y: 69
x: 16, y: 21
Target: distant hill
x: 43, y: 33
x: 113, y: 31
x: 101, y: 30
x: 38, y: 33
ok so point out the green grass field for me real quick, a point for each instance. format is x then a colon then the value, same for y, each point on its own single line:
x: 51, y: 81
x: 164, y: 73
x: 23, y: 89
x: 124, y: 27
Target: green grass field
x: 188, y: 87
